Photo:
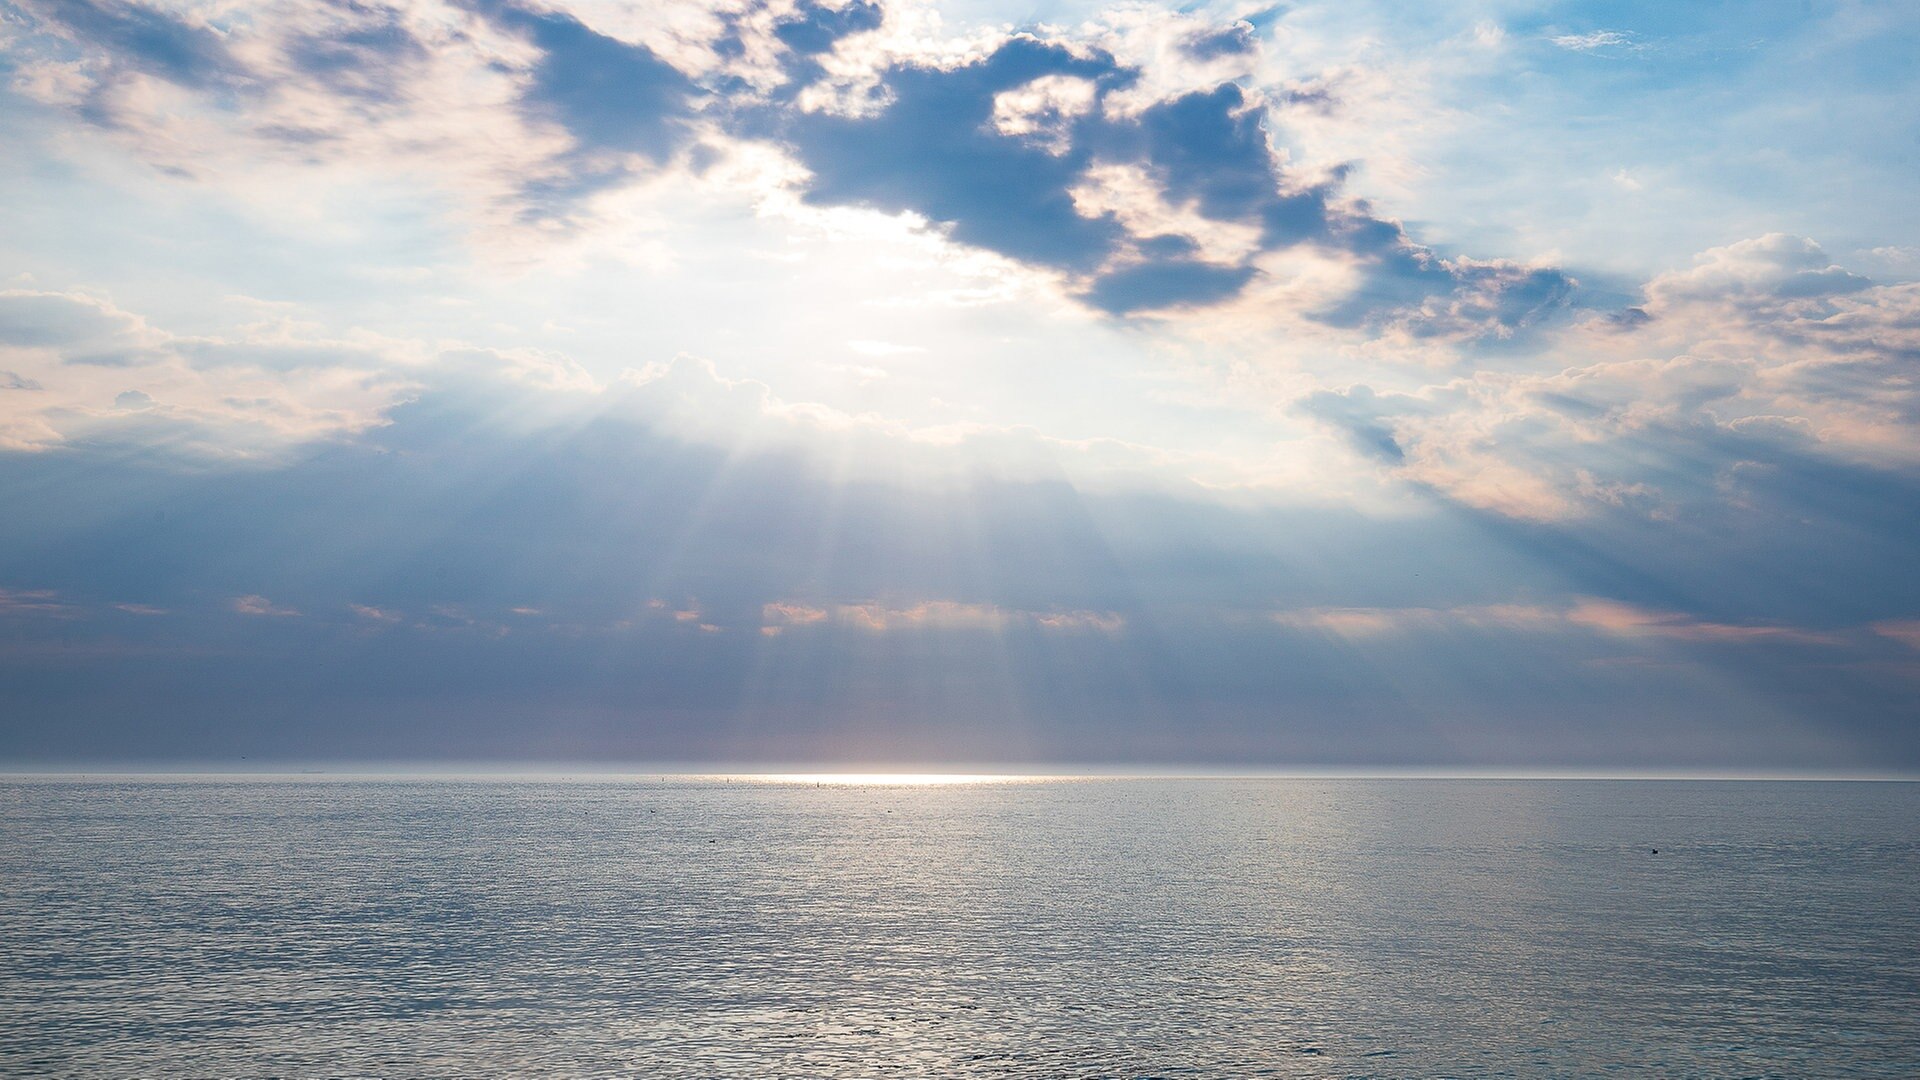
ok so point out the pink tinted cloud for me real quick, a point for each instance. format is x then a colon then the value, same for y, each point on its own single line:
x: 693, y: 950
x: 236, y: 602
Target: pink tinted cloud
x: 1904, y: 631
x: 255, y: 604
x: 1626, y: 620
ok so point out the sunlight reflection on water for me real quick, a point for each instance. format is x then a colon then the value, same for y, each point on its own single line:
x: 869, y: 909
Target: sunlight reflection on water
x: 710, y: 927
x: 888, y: 779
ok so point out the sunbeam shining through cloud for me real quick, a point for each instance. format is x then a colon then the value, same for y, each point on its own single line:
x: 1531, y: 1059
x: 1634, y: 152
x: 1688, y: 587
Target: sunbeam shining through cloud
x: 819, y: 383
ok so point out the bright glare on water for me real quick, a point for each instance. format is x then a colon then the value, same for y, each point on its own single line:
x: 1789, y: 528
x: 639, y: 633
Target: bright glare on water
x: 889, y: 779
x: 858, y: 927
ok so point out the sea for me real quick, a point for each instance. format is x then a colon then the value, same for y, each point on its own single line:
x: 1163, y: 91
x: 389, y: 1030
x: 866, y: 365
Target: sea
x: 816, y: 926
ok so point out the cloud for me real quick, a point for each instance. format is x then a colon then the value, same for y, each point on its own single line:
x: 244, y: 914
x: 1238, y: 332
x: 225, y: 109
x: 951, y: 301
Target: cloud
x: 300, y: 96
x: 1357, y: 414
x: 1769, y: 333
x: 1766, y: 274
x: 1596, y: 41
x: 1449, y: 440
x: 933, y: 150
x: 1414, y: 294
x: 1610, y: 617
x: 930, y: 615
x: 613, y: 98
x: 529, y: 117
x: 86, y: 329
x: 143, y: 610
x: 368, y: 58
x: 1626, y: 620
x: 1234, y: 40
x: 98, y: 372
x: 1123, y: 618
x: 786, y: 613
x: 255, y: 604
x: 33, y: 602
x: 813, y: 27
x: 1166, y: 283
x: 1237, y: 456
x: 1762, y: 351
x: 148, y: 40
x: 1044, y: 110
x: 1904, y: 631
x: 1105, y: 622
x: 1159, y: 204
x: 263, y: 393
x: 1366, y: 622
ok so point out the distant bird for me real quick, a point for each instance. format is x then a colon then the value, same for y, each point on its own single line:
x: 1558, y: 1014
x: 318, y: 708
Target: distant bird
x: 1656, y: 851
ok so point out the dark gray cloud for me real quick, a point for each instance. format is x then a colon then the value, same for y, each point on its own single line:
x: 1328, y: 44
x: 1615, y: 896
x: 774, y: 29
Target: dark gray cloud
x: 934, y: 149
x: 931, y: 144
x: 611, y: 95
x: 1235, y: 40
x: 615, y: 98
x: 84, y: 330
x: 1411, y: 288
x: 367, y: 58
x: 815, y: 28
x: 1166, y: 282
x: 1358, y: 414
x: 1208, y: 146
x: 148, y: 40
x: 36, y: 319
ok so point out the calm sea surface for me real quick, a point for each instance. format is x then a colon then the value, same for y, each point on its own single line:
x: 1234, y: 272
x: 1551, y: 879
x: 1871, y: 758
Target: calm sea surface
x: 1060, y: 928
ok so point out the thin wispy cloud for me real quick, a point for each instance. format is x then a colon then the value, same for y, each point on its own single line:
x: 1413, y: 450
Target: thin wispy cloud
x: 255, y: 604
x: 1598, y: 41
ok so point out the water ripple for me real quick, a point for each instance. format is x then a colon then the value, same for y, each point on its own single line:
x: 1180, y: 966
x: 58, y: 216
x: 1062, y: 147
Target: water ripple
x: 1114, y: 928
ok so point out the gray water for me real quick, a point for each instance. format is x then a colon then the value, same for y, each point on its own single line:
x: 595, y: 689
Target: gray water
x: 1061, y: 928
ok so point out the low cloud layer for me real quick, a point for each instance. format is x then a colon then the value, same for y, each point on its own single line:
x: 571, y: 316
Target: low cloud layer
x: 591, y: 580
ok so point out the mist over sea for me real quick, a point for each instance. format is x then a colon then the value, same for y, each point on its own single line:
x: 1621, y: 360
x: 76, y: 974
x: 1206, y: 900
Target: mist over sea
x: 1081, y: 927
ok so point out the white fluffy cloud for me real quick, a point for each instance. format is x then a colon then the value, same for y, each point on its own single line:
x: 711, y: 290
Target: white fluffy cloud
x: 77, y: 367
x: 1764, y: 342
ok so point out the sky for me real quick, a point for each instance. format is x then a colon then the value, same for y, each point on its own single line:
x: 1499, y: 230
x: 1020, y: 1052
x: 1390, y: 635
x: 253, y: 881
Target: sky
x: 1494, y: 384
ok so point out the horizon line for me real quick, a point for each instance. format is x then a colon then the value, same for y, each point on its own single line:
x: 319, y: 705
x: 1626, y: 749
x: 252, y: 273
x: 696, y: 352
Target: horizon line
x: 896, y: 772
